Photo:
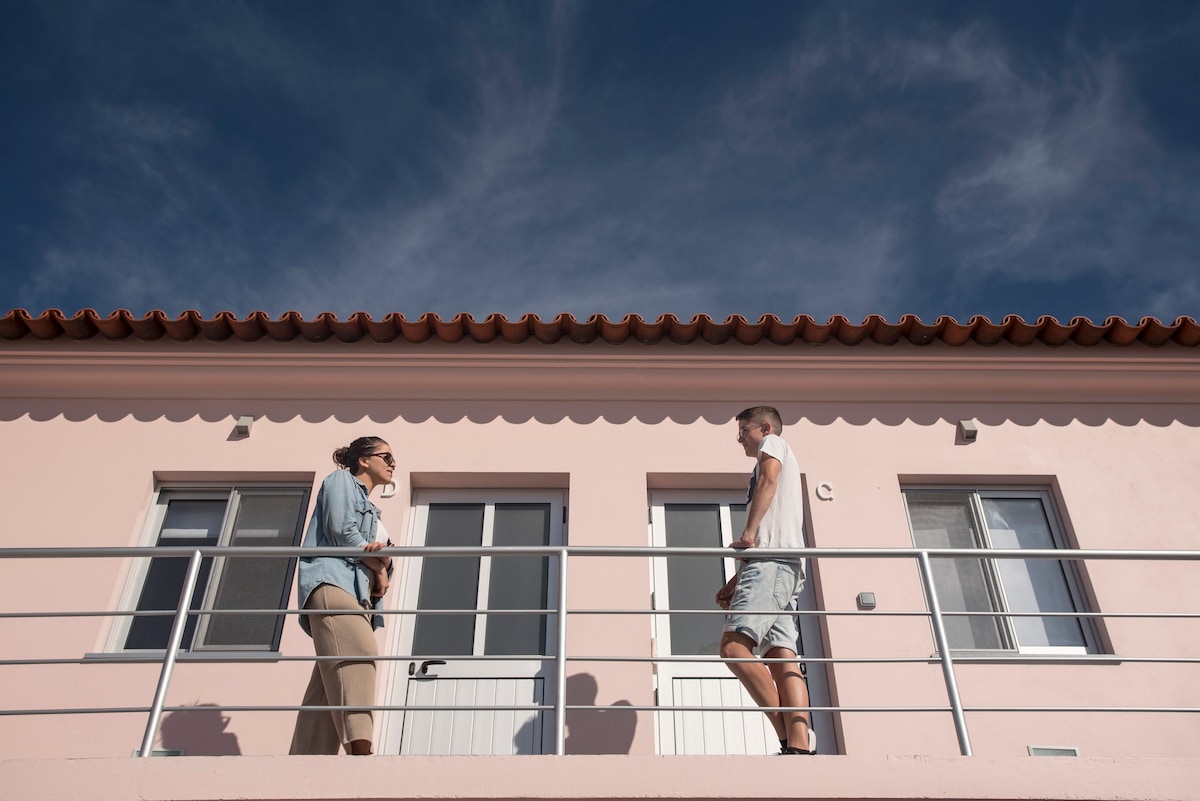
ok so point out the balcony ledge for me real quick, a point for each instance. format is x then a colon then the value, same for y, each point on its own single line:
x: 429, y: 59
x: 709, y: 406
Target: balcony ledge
x: 611, y: 778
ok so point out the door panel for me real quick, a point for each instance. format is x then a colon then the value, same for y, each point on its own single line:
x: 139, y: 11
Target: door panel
x: 525, y: 642
x: 707, y: 519
x: 719, y: 732
x: 467, y: 731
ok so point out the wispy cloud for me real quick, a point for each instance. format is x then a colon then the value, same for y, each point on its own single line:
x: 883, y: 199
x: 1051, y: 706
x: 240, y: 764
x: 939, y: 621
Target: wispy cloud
x: 512, y: 230
x: 503, y: 158
x: 131, y: 229
x: 1064, y: 178
x: 1042, y: 140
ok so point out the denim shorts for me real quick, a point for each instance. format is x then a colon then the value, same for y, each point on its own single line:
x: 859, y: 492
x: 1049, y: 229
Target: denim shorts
x: 766, y: 585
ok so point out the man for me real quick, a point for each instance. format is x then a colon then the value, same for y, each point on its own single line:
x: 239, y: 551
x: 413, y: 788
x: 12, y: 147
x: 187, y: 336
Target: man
x: 774, y: 519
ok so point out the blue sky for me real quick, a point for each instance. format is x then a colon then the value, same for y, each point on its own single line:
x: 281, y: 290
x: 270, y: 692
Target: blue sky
x: 613, y: 157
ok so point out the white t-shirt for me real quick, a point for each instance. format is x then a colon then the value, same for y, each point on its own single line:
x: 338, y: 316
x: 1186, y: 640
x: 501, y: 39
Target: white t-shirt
x: 783, y: 524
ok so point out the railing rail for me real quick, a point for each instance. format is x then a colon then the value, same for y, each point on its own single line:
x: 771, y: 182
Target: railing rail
x: 945, y: 657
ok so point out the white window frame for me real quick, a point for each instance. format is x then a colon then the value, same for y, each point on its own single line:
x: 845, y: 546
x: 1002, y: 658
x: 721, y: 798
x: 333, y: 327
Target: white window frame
x: 231, y: 493
x: 995, y: 585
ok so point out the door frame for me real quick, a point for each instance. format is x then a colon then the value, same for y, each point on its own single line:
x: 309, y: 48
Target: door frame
x: 667, y: 673
x: 396, y: 690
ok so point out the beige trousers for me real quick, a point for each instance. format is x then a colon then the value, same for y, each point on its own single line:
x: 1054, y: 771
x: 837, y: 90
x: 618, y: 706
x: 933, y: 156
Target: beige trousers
x: 349, y: 682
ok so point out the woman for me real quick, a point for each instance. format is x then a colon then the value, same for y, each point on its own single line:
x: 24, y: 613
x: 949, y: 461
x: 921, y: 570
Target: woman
x: 344, y: 516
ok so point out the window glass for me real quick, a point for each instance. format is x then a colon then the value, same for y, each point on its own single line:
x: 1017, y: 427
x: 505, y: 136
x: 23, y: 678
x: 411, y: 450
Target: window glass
x: 196, y: 518
x: 449, y: 582
x: 186, y: 522
x: 255, y: 583
x: 737, y: 516
x: 943, y: 520
x: 693, y: 581
x: 1032, y: 585
x: 1006, y: 520
x: 518, y: 582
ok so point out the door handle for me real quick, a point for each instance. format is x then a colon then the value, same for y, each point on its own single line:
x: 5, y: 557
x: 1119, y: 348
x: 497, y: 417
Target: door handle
x: 425, y: 666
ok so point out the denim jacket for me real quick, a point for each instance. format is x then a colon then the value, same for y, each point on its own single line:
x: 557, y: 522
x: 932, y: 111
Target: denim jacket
x: 343, y: 517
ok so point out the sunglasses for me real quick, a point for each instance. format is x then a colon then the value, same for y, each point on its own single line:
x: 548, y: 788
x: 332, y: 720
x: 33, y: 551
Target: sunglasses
x: 387, y: 458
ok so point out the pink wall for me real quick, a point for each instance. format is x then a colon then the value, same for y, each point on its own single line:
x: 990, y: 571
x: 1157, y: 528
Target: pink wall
x: 1113, y: 432
x: 603, y: 777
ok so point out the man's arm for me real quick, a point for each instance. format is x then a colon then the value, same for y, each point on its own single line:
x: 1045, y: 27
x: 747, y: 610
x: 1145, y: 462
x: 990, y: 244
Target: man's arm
x: 725, y: 594
x: 764, y: 492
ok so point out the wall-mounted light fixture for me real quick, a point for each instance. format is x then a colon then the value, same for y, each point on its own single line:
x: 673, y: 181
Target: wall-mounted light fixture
x: 866, y: 600
x: 968, y: 430
x: 242, y: 426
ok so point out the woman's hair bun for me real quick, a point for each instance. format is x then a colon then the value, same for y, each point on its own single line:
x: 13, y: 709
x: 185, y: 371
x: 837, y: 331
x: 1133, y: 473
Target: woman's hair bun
x: 349, y: 455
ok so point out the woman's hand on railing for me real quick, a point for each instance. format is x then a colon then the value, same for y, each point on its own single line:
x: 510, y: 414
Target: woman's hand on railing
x: 378, y: 565
x: 379, y: 583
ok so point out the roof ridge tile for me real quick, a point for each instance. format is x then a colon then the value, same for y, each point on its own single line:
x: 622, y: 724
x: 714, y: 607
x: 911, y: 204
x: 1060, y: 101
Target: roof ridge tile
x: 121, y: 324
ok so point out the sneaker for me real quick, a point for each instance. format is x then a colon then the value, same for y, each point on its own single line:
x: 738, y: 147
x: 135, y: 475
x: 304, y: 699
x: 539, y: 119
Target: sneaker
x: 785, y: 750
x: 789, y: 751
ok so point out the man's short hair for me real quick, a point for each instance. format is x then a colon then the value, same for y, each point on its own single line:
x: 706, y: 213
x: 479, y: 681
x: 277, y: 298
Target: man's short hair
x: 763, y: 414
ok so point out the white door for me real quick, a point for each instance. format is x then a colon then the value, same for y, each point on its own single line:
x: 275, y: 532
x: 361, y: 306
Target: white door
x: 467, y: 663
x: 710, y: 519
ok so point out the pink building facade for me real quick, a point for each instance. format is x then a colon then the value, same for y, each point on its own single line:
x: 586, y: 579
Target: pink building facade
x: 591, y: 436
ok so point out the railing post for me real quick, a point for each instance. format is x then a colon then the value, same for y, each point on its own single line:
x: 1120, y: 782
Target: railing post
x: 168, y: 667
x: 560, y: 660
x: 943, y: 646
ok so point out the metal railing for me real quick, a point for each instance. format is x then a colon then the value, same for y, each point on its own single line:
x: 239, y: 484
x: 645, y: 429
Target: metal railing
x: 944, y: 655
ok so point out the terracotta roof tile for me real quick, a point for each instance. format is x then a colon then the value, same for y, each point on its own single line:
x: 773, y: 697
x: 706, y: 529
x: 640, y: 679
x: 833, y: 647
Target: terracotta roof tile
x: 191, y: 325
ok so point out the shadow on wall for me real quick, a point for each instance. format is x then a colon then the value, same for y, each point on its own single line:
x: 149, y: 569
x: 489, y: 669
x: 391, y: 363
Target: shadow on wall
x: 588, y: 731
x: 199, y: 731
x: 597, y: 731
x: 861, y: 413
